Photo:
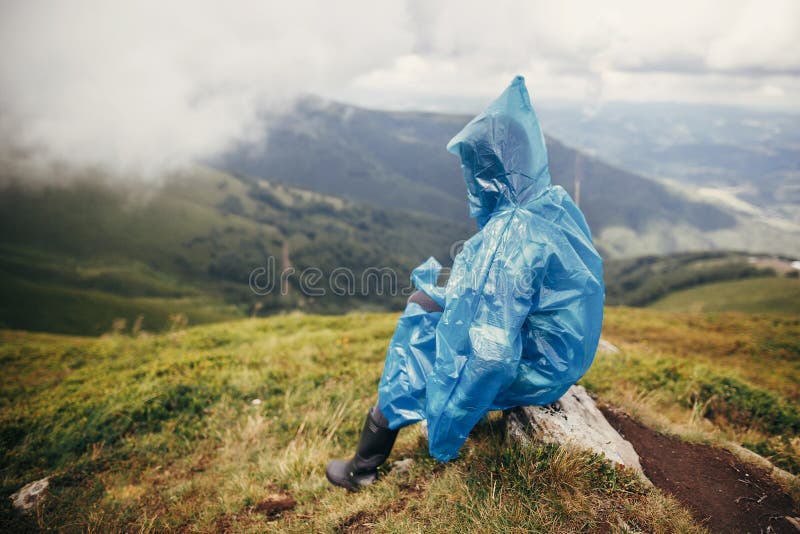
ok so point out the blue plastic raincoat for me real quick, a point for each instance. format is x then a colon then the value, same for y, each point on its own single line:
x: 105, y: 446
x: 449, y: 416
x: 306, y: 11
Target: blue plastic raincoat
x: 523, y: 305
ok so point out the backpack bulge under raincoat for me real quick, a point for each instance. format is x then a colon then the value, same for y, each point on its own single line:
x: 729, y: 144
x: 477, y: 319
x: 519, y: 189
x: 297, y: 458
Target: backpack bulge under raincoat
x: 523, y: 305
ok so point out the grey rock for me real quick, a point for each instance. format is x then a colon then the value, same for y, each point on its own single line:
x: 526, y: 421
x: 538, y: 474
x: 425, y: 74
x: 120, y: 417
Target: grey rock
x: 30, y: 495
x: 402, y: 466
x: 606, y: 346
x: 575, y: 420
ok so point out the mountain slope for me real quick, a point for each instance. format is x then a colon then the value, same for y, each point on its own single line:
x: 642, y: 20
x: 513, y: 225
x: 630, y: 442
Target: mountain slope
x: 757, y: 295
x: 643, y: 280
x: 754, y: 154
x: 79, y: 258
x: 75, y: 257
x: 398, y: 160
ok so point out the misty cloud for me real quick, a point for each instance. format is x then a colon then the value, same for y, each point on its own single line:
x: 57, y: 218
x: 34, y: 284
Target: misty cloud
x: 143, y: 87
x: 148, y: 86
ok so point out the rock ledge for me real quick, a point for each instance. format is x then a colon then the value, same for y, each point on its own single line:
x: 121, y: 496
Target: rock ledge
x: 573, y: 419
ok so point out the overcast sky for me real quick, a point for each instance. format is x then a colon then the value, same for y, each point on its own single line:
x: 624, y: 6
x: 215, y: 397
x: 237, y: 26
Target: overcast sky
x: 144, y: 86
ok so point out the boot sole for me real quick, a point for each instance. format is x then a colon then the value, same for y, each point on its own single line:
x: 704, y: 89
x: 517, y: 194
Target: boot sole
x: 349, y: 487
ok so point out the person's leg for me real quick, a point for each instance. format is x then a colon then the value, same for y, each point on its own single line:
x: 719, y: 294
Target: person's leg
x: 427, y: 303
x: 379, y: 418
x: 377, y: 439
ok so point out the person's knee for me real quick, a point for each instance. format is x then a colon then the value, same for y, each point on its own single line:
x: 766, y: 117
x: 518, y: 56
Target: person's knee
x: 424, y: 301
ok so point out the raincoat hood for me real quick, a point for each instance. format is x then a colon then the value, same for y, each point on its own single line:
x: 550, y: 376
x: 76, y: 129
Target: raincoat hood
x: 503, y: 155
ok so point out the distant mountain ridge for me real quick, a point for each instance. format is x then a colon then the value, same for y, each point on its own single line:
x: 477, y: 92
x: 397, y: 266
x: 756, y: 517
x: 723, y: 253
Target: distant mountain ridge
x: 398, y: 159
x: 754, y: 153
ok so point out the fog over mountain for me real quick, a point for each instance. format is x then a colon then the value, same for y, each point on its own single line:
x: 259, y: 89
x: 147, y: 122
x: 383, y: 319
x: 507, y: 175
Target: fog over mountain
x: 139, y: 88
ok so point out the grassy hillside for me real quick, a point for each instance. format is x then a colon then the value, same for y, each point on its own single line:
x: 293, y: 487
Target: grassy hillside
x: 643, y: 280
x: 160, y: 433
x: 757, y: 295
x: 80, y: 257
x: 75, y: 257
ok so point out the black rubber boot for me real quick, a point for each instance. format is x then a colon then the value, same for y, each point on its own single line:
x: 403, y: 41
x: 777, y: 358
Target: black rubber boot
x: 373, y: 449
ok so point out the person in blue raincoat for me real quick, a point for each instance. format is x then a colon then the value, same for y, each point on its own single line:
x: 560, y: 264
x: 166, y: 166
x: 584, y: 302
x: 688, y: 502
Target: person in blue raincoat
x: 519, y: 320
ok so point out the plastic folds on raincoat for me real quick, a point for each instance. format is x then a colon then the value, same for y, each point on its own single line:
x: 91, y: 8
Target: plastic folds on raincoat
x: 523, y: 305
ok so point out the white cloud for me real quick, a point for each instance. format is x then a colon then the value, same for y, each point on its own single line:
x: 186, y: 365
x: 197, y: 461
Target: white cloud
x: 722, y: 51
x: 144, y: 86
x: 147, y: 86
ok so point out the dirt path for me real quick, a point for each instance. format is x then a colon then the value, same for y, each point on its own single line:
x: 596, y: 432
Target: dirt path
x: 724, y: 493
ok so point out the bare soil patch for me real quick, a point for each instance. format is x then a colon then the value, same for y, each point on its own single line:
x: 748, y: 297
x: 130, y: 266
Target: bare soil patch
x: 275, y: 505
x: 722, y: 492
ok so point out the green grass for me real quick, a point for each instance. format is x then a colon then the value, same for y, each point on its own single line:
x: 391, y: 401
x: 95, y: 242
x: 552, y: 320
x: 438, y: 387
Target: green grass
x: 724, y: 376
x: 643, y: 280
x: 159, y: 432
x: 129, y: 278
x: 756, y: 295
x: 44, y: 307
